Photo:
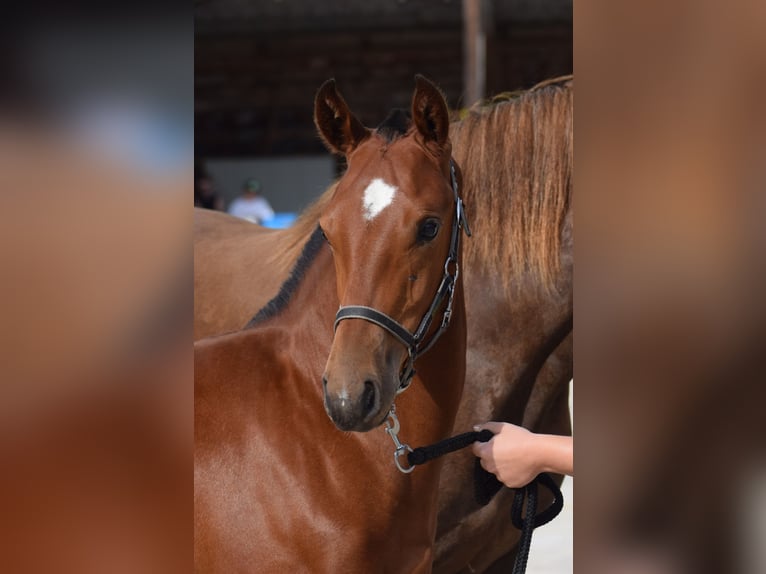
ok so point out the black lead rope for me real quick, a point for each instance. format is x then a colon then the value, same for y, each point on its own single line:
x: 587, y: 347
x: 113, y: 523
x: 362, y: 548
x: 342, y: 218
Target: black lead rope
x: 487, y: 486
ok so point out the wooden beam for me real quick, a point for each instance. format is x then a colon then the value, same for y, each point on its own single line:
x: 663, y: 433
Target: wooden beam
x: 474, y: 51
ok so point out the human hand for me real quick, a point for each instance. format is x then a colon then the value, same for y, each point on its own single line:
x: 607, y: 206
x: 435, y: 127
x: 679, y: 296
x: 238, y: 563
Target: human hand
x: 516, y: 456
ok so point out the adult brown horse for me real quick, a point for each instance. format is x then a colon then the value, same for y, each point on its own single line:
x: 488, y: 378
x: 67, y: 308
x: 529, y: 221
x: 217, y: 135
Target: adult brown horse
x: 517, y: 155
x: 278, y: 487
x: 518, y: 279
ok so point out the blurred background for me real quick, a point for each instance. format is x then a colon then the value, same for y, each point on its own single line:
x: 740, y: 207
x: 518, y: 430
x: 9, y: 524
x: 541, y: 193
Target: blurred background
x: 259, y: 64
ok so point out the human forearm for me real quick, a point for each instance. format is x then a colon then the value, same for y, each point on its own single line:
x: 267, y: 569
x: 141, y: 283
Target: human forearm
x: 555, y: 453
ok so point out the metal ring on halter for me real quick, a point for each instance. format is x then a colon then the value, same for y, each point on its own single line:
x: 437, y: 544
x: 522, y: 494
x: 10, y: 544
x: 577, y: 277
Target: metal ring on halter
x: 404, y: 449
x: 447, y: 269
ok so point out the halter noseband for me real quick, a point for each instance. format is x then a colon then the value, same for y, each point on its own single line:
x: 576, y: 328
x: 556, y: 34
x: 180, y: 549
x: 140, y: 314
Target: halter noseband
x: 415, y: 342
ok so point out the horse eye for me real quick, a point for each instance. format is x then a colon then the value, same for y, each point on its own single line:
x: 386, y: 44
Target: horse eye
x: 428, y: 229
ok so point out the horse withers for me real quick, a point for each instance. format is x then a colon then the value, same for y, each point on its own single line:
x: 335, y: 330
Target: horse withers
x: 278, y: 487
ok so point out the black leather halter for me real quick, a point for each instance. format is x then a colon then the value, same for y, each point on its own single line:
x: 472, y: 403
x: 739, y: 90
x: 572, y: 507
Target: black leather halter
x: 415, y: 342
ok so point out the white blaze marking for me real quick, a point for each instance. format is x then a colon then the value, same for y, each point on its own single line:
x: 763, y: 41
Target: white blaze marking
x: 377, y: 197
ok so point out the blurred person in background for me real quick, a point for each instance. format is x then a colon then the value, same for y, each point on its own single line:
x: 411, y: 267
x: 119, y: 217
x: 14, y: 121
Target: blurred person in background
x: 205, y: 194
x: 251, y: 205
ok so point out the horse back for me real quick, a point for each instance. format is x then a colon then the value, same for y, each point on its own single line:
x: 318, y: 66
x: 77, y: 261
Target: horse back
x: 231, y: 278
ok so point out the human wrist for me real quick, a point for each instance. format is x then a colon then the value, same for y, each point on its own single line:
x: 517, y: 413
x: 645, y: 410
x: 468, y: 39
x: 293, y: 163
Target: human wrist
x: 555, y: 454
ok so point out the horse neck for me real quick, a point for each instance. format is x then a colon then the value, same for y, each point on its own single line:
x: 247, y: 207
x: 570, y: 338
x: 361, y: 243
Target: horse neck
x: 517, y: 159
x: 516, y: 329
x: 430, y: 405
x: 309, y: 315
x: 518, y: 302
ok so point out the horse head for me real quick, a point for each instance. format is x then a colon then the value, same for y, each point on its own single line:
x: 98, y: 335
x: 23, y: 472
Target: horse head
x: 391, y: 224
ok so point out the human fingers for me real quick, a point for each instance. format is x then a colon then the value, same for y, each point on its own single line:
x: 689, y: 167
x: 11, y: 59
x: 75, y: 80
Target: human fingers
x: 493, y: 426
x: 488, y: 464
x: 480, y: 449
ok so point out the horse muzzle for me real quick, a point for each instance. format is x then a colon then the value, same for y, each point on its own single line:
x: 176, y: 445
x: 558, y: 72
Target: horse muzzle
x: 354, y: 407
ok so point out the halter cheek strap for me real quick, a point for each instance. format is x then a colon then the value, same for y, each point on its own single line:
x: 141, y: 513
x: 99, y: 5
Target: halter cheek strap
x: 415, y: 342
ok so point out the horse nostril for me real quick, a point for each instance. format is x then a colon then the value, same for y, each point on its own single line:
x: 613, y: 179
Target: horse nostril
x: 368, y: 398
x: 324, y: 383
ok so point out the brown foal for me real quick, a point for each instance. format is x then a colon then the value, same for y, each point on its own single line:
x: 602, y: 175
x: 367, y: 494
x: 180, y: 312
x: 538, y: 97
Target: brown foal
x: 278, y: 487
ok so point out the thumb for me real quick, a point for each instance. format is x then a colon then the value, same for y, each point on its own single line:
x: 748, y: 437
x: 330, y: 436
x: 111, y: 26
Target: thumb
x: 493, y: 426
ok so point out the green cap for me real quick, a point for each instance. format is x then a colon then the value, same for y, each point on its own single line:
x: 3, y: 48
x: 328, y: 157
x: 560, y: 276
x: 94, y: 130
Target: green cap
x: 252, y: 185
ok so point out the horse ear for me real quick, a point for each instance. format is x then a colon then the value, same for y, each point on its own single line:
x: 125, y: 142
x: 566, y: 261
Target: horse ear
x: 429, y: 112
x: 338, y: 127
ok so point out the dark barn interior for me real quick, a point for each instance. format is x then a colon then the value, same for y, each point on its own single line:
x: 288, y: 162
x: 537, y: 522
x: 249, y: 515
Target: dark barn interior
x: 258, y: 65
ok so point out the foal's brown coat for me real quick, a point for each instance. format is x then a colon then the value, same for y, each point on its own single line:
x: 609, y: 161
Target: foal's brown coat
x: 518, y: 280
x: 278, y: 487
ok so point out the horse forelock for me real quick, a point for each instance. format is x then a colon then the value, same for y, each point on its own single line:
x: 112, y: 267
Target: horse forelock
x: 396, y: 125
x: 516, y: 156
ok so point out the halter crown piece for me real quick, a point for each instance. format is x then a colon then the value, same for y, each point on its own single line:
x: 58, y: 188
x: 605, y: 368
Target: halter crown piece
x: 415, y: 342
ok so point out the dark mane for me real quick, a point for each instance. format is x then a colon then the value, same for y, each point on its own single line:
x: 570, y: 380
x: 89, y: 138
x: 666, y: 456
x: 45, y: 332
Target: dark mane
x: 395, y: 125
x: 280, y: 300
